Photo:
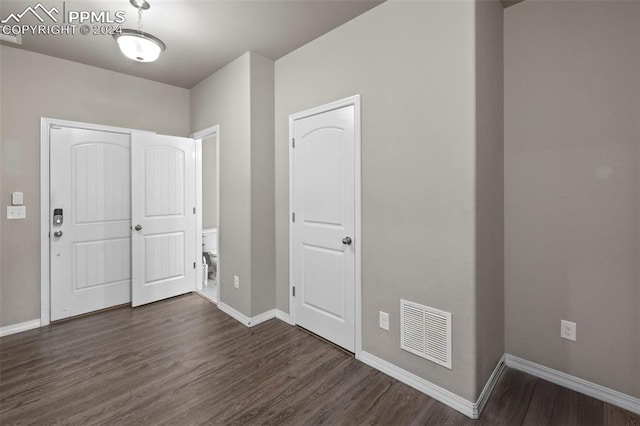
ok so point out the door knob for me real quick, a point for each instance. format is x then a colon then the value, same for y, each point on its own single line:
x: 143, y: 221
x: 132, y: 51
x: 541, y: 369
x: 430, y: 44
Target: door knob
x: 57, y: 234
x: 138, y: 228
x: 347, y: 241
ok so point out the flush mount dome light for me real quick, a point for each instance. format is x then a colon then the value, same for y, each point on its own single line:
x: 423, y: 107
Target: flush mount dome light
x: 136, y: 44
x: 139, y: 46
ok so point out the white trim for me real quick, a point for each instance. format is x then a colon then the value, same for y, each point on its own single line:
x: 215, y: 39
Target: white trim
x: 355, y: 101
x: 478, y: 406
x: 234, y: 313
x: 45, y: 143
x: 19, y: 327
x: 255, y: 320
x: 436, y: 392
x: 45, y: 272
x: 458, y: 403
x: 265, y: 316
x: 206, y: 296
x: 198, y: 216
x: 283, y: 316
x: 577, y: 384
x: 198, y: 136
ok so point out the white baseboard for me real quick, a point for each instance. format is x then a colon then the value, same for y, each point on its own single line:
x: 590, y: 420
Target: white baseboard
x: 488, y: 388
x: 577, y: 384
x: 260, y: 318
x: 234, y: 313
x: 458, y: 403
x: 255, y: 320
x: 17, y: 328
x: 283, y: 316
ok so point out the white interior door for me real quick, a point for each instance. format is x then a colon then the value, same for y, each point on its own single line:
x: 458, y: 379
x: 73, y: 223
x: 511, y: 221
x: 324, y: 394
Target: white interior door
x: 163, y: 217
x: 90, y: 250
x: 323, y: 241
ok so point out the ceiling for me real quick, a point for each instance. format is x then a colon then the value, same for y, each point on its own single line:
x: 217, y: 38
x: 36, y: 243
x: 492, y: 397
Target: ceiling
x: 201, y: 36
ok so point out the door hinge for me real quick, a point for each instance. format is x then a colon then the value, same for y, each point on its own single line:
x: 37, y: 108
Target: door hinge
x: 293, y: 217
x: 194, y: 210
x: 293, y: 142
x: 294, y: 292
x: 194, y: 265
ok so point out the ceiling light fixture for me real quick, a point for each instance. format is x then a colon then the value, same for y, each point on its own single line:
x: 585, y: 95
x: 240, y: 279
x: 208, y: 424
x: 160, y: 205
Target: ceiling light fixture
x: 136, y: 44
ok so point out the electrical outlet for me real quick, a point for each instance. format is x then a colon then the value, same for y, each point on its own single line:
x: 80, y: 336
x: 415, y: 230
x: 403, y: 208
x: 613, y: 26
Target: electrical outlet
x: 384, y: 320
x: 568, y: 330
x: 236, y: 281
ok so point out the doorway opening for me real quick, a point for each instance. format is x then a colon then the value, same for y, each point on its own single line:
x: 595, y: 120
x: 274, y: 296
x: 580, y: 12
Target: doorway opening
x: 208, y: 211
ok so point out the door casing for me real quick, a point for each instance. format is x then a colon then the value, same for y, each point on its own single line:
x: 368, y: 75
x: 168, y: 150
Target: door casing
x: 355, y: 101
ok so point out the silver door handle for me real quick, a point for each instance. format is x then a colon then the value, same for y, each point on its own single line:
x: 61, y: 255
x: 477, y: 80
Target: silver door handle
x: 347, y: 241
x: 57, y: 234
x: 138, y: 228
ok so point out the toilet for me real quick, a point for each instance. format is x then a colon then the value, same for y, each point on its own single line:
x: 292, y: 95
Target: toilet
x: 209, y: 254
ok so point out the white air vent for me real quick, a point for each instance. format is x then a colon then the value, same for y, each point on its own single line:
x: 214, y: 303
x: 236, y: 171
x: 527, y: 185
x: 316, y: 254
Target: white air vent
x: 426, y: 332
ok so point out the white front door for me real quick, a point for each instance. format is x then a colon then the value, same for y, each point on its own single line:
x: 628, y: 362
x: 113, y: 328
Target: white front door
x: 90, y: 249
x: 163, y: 217
x: 323, y: 230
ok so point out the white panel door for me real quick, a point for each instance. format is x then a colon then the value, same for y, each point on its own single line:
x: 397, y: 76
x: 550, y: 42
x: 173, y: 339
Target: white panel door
x: 91, y: 248
x: 324, y: 206
x: 163, y: 217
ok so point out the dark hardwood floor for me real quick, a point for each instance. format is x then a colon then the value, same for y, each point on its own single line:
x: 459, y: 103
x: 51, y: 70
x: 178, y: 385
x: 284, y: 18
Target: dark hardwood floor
x: 182, y: 362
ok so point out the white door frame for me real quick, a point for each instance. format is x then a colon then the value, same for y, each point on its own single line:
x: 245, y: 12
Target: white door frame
x: 355, y: 101
x: 213, y: 131
x: 45, y: 210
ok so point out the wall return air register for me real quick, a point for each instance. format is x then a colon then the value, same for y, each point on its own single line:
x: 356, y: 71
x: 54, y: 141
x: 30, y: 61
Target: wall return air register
x: 426, y: 332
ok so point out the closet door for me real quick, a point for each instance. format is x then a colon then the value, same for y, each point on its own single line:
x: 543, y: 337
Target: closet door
x: 163, y: 217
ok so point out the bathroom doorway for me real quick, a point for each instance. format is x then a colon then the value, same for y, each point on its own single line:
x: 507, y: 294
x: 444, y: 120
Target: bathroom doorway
x: 208, y: 210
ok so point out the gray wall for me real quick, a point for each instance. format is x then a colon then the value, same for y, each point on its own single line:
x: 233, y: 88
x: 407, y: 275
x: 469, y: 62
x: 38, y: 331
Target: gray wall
x: 224, y: 98
x: 209, y: 183
x: 239, y: 98
x: 35, y: 86
x: 413, y: 64
x: 263, y: 256
x: 489, y: 189
x: 572, y: 187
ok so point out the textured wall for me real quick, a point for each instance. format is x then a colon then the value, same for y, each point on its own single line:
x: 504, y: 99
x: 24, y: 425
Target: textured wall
x: 572, y: 187
x: 34, y: 86
x: 413, y: 65
x: 239, y: 98
x: 224, y: 99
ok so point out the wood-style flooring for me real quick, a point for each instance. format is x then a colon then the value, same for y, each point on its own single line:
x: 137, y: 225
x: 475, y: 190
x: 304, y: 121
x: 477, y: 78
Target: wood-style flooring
x: 183, y: 362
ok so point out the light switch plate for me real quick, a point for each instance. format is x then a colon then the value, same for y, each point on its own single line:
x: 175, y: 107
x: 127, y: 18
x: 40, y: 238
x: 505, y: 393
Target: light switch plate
x: 16, y: 212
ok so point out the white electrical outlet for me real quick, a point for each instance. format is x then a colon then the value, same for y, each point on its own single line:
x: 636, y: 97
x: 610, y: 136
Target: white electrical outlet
x: 568, y: 330
x: 384, y: 320
x: 236, y: 281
